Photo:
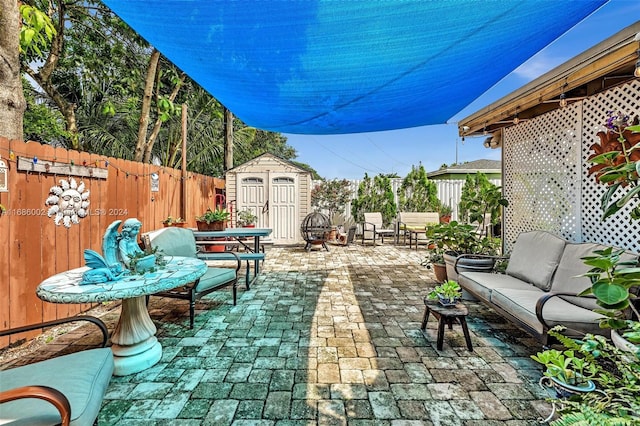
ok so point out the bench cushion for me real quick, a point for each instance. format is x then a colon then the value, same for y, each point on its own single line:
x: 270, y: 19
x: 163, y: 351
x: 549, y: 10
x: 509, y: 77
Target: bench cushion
x: 482, y: 283
x: 174, y: 241
x: 82, y: 377
x: 215, y: 277
x: 535, y: 257
x: 522, y: 305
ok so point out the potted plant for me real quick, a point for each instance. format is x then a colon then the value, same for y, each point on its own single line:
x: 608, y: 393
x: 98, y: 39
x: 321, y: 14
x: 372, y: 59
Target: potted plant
x: 456, y: 239
x: 448, y: 293
x: 479, y: 199
x: 212, y: 220
x: 569, y: 373
x: 174, y: 221
x: 246, y: 219
x: 435, y: 261
x: 615, y: 375
x: 445, y: 213
x: 611, y: 282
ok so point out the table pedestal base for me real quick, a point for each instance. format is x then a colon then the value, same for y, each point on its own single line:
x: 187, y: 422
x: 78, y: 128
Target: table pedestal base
x: 135, y: 346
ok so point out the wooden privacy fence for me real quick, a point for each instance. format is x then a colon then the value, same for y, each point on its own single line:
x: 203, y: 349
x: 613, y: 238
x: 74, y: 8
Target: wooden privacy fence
x: 35, y: 247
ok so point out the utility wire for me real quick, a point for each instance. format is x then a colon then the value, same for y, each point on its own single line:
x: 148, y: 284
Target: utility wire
x: 395, y: 160
x: 349, y: 161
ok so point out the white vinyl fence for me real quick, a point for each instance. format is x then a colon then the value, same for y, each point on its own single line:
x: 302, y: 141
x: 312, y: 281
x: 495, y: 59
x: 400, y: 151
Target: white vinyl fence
x: 449, y: 192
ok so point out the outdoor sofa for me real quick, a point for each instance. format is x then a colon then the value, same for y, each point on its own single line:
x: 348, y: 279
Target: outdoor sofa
x: 539, y: 289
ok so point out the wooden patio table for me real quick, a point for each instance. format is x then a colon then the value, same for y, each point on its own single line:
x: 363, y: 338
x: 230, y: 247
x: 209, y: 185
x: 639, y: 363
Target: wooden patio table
x: 446, y: 316
x: 134, y: 344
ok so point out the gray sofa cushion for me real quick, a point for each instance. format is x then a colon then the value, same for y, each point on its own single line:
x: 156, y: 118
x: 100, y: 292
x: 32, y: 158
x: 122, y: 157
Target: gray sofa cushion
x: 567, y: 279
x: 482, y: 283
x: 522, y: 305
x: 82, y: 377
x: 535, y: 257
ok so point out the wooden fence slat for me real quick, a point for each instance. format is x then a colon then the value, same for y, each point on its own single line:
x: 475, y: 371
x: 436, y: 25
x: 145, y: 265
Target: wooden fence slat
x: 37, y: 248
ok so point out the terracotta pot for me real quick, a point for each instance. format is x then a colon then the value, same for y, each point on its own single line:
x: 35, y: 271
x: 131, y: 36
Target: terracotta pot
x: 440, y: 269
x: 445, y: 219
x: 218, y: 226
x: 202, y: 226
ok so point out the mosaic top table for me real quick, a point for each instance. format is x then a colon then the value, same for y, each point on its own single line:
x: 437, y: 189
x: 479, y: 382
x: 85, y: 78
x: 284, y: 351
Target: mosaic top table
x: 134, y: 344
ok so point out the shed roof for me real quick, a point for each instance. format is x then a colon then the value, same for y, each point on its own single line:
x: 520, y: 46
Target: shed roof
x: 484, y: 166
x: 607, y: 64
x: 257, y: 159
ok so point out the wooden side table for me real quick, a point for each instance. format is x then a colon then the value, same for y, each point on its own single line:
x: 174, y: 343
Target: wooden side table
x: 446, y: 315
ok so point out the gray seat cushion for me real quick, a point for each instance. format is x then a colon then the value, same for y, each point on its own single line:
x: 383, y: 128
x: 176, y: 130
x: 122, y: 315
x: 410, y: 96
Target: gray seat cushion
x: 567, y: 279
x: 535, y: 257
x: 82, y: 377
x: 522, y: 304
x: 482, y: 283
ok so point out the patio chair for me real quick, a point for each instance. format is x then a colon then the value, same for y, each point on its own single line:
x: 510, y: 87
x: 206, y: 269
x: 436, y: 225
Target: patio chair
x: 174, y: 241
x: 373, y: 227
x: 65, y: 390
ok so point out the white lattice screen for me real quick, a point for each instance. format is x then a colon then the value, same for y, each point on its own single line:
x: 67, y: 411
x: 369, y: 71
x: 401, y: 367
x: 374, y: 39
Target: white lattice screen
x: 545, y: 173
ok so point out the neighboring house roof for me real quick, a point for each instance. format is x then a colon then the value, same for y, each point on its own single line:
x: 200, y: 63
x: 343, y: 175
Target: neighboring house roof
x: 484, y: 166
x: 255, y: 162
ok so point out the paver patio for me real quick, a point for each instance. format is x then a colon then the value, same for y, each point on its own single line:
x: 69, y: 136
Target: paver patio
x: 329, y: 338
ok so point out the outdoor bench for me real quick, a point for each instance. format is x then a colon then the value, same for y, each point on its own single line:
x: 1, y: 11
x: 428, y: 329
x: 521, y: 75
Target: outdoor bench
x: 227, y: 255
x: 414, y: 222
x: 540, y: 287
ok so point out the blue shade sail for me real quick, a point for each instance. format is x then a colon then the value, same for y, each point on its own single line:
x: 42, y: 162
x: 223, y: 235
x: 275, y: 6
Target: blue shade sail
x: 331, y: 67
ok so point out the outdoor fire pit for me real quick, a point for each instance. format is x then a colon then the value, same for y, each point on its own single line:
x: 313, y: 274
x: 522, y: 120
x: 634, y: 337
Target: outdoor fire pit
x: 314, y: 230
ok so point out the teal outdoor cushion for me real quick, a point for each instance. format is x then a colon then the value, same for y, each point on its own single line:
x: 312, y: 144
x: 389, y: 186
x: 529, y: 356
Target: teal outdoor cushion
x: 82, y: 377
x: 215, y: 277
x: 174, y: 241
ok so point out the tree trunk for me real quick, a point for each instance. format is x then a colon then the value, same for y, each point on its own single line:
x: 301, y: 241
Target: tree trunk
x: 156, y: 127
x: 12, y: 103
x: 228, y: 139
x: 146, y: 106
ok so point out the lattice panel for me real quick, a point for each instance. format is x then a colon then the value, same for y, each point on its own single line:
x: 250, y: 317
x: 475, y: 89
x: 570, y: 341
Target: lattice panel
x: 545, y: 173
x: 617, y: 230
x: 542, y: 175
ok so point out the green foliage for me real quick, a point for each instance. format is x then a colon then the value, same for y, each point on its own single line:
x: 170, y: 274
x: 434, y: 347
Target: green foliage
x: 331, y: 195
x: 447, y: 290
x: 460, y: 239
x: 41, y: 123
x: 617, y: 377
x: 217, y: 215
x: 36, y: 31
x: 611, y: 280
x: 480, y: 197
x: 417, y: 193
x: 374, y: 195
x: 565, y: 366
x: 246, y: 217
x: 434, y: 256
x: 615, y: 165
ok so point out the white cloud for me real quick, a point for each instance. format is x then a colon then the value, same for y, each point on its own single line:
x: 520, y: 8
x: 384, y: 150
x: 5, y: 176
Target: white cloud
x: 537, y: 66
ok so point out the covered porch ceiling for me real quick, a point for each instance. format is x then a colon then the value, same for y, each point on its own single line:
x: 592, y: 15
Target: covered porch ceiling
x: 332, y: 67
x: 609, y: 63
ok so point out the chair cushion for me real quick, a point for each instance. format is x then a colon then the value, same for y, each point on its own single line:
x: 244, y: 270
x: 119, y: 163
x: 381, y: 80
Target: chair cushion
x: 535, y: 258
x: 82, y: 377
x: 522, y: 305
x: 483, y: 283
x: 215, y: 277
x: 174, y: 241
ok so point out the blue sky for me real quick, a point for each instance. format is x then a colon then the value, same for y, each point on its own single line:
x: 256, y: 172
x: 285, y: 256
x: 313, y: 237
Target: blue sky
x: 350, y: 156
